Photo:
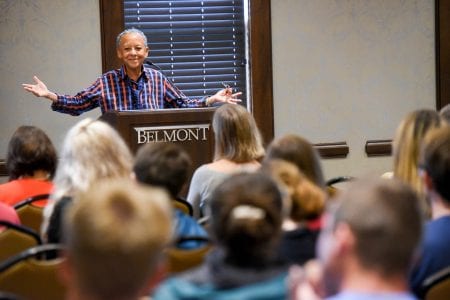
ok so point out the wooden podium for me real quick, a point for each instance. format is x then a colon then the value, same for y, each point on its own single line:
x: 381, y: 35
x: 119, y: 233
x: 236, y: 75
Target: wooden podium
x: 190, y: 128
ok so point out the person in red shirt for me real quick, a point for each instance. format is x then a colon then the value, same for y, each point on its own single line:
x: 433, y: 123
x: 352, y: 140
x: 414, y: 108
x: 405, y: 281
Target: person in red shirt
x: 31, y: 163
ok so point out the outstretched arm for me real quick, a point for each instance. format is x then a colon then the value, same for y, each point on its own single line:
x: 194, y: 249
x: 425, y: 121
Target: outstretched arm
x: 39, y: 89
x: 224, y: 95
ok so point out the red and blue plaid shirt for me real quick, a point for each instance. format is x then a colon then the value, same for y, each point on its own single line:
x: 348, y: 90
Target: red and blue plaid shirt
x: 114, y: 90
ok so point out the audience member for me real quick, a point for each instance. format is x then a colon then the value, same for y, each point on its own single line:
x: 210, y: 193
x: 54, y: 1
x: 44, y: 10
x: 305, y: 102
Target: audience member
x: 115, y: 233
x: 303, y: 201
x: 300, y: 152
x: 238, y: 147
x: 297, y: 150
x: 92, y: 150
x: 369, y: 241
x: 406, y: 147
x: 246, y: 217
x: 167, y: 165
x: 435, y: 170
x: 31, y: 162
x: 445, y: 113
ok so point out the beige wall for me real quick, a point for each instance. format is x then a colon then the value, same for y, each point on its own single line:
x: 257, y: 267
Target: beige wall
x: 57, y: 40
x: 350, y: 70
x: 343, y: 70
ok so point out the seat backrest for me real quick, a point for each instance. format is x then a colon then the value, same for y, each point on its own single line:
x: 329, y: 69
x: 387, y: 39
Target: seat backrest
x: 31, y: 278
x: 31, y: 211
x: 37, y: 200
x: 179, y: 260
x: 16, y: 238
x: 332, y: 184
x: 183, y: 205
x: 437, y: 286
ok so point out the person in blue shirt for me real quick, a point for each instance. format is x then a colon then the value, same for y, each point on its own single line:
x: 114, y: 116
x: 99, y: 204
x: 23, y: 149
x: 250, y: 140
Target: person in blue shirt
x: 167, y: 165
x: 435, y: 170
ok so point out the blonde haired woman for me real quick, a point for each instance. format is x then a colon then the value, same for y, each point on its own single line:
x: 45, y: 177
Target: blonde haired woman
x: 92, y: 150
x: 406, y: 148
x: 238, y: 148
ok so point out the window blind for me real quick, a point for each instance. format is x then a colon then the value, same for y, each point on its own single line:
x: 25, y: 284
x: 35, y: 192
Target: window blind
x: 197, y: 44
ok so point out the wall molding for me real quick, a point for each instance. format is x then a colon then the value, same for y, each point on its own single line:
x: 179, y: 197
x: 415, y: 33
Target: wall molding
x: 378, y: 148
x: 332, y: 150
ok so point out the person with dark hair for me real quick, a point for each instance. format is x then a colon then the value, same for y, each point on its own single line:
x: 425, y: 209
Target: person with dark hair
x: 166, y: 165
x: 162, y: 164
x: 300, y: 152
x: 237, y: 148
x: 297, y: 150
x: 246, y: 217
x: 434, y: 164
x: 31, y: 163
x: 134, y: 86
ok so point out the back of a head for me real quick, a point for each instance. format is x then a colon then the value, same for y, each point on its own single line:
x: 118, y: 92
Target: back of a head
x: 305, y: 200
x: 236, y: 134
x: 300, y: 152
x: 92, y: 150
x: 406, y: 144
x: 385, y: 217
x: 162, y: 164
x: 29, y: 150
x: 115, y: 237
x: 445, y: 113
x: 435, y: 159
x: 246, y: 216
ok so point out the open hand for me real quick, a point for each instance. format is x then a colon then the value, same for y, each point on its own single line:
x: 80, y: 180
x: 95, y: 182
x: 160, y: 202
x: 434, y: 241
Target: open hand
x: 226, y: 96
x: 39, y: 89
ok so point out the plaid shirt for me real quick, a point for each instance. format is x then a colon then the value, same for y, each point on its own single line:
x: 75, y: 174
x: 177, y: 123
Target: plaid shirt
x: 114, y: 90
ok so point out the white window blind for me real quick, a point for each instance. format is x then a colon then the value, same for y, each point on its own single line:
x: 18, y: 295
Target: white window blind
x: 197, y: 44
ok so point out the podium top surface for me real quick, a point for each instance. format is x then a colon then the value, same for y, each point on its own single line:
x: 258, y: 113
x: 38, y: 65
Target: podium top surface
x: 159, y: 111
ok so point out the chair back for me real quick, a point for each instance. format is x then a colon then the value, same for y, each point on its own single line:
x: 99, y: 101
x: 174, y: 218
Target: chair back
x: 332, y: 184
x: 179, y: 260
x: 30, y: 211
x: 16, y: 238
x: 30, y: 278
x: 437, y: 286
x: 183, y: 205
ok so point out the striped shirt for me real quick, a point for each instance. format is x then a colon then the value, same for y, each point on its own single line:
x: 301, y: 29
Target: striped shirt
x: 114, y: 90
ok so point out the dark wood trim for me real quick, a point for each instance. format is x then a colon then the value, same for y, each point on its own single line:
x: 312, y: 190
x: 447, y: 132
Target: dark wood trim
x: 3, y: 170
x: 112, y: 23
x: 437, y: 50
x: 261, y: 67
x: 442, y: 41
x: 332, y: 150
x: 378, y: 147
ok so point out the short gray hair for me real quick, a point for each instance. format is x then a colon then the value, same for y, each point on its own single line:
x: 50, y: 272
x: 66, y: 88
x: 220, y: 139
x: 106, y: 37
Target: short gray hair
x: 127, y: 31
